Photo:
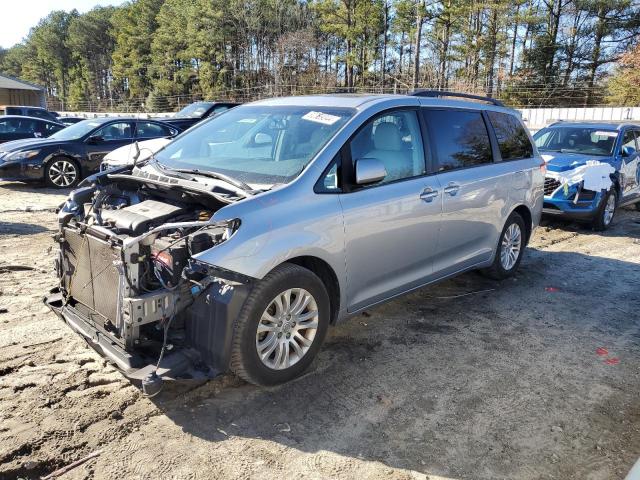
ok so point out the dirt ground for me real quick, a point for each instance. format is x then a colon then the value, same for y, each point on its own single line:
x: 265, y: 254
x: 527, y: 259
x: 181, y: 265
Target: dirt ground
x: 536, y: 377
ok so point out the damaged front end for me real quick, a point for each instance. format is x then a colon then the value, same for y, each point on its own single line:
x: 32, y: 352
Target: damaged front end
x: 129, y: 283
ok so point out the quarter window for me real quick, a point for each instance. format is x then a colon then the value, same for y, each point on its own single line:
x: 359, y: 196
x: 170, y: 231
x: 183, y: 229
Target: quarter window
x: 330, y: 181
x: 394, y: 139
x: 462, y: 138
x: 512, y: 138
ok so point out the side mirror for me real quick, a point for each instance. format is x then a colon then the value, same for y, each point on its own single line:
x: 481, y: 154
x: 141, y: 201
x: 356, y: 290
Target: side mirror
x: 93, y: 139
x: 262, y: 139
x: 628, y: 151
x: 369, y: 170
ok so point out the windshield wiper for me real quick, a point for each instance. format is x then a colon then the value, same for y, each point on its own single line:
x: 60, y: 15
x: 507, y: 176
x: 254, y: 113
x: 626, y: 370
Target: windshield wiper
x: 218, y: 176
x: 166, y: 171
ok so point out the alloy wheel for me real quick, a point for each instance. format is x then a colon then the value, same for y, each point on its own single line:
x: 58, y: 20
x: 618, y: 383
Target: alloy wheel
x: 511, y: 245
x: 287, y: 328
x: 63, y: 173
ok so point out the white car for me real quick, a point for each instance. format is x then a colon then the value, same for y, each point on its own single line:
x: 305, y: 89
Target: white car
x: 125, y: 155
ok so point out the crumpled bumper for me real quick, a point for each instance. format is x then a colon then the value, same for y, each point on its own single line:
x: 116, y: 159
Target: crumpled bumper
x: 559, y: 205
x: 209, y: 330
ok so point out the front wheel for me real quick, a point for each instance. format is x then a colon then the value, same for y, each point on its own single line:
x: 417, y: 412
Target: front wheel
x: 606, y: 211
x: 62, y: 172
x: 510, y: 249
x: 281, y: 326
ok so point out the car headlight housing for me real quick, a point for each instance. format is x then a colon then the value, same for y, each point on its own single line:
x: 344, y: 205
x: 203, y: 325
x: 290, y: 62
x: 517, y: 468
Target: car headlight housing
x: 23, y: 155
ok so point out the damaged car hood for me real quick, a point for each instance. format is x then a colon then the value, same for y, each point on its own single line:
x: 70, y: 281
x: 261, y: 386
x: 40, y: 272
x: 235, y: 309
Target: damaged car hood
x: 563, y: 162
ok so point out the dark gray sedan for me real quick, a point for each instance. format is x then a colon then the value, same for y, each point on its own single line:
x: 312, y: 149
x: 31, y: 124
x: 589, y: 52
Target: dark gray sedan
x: 17, y: 127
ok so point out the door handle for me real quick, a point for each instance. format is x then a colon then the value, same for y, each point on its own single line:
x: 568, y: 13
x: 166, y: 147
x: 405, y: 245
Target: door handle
x: 428, y: 194
x: 452, y: 189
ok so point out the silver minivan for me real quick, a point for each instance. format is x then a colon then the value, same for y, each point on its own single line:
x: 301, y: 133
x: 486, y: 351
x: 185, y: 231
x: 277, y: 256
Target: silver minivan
x: 242, y: 241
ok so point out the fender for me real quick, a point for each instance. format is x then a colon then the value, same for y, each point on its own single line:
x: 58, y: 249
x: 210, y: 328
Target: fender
x: 274, y: 229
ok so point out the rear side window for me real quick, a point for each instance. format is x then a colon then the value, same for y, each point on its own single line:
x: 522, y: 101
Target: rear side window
x: 512, y: 138
x: 460, y: 138
x: 152, y: 130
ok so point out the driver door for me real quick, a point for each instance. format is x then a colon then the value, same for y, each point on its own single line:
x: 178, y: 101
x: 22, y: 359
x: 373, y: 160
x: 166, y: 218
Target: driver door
x: 107, y: 139
x: 391, y: 227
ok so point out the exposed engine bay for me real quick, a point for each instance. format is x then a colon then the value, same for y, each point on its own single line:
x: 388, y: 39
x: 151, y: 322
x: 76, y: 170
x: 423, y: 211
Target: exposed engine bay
x: 128, y: 280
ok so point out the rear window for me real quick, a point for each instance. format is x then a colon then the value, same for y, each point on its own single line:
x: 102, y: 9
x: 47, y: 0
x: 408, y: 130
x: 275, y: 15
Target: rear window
x: 460, y: 137
x: 512, y: 137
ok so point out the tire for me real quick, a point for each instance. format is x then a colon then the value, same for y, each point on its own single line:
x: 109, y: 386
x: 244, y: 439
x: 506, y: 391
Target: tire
x: 606, y: 211
x: 506, y: 265
x: 261, y: 309
x: 62, y: 172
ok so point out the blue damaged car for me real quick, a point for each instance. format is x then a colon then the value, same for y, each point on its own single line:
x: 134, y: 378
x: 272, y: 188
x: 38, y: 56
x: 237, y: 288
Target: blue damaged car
x: 592, y: 169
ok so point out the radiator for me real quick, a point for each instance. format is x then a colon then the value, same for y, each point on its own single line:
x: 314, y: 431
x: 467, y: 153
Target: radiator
x: 89, y: 273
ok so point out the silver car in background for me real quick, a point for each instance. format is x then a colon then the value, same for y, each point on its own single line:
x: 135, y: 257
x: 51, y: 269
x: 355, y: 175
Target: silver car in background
x: 242, y: 241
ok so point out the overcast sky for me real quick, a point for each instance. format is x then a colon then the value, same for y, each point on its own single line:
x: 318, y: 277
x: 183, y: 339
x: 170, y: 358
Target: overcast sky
x: 18, y: 16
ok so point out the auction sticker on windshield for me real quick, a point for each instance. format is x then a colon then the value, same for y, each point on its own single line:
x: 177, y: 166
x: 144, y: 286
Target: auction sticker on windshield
x: 320, y: 117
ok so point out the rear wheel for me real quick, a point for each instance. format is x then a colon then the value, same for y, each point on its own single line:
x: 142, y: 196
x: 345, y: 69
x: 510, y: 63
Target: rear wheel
x: 62, y: 172
x: 509, y: 250
x: 281, y: 326
x: 606, y: 211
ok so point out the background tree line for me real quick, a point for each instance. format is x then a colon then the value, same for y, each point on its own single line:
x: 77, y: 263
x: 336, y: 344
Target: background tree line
x: 162, y: 54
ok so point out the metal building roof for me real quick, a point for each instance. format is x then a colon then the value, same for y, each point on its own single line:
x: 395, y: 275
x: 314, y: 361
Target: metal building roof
x: 9, y: 82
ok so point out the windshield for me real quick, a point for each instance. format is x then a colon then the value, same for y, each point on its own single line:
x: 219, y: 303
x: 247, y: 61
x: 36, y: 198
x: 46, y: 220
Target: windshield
x: 256, y: 144
x: 588, y: 141
x: 195, y: 110
x: 76, y: 131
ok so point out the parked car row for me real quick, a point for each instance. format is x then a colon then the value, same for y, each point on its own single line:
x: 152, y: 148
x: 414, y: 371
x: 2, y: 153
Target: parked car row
x: 70, y: 154
x: 62, y: 150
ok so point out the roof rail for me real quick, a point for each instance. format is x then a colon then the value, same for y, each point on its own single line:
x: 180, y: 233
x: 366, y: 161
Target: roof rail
x: 443, y: 93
